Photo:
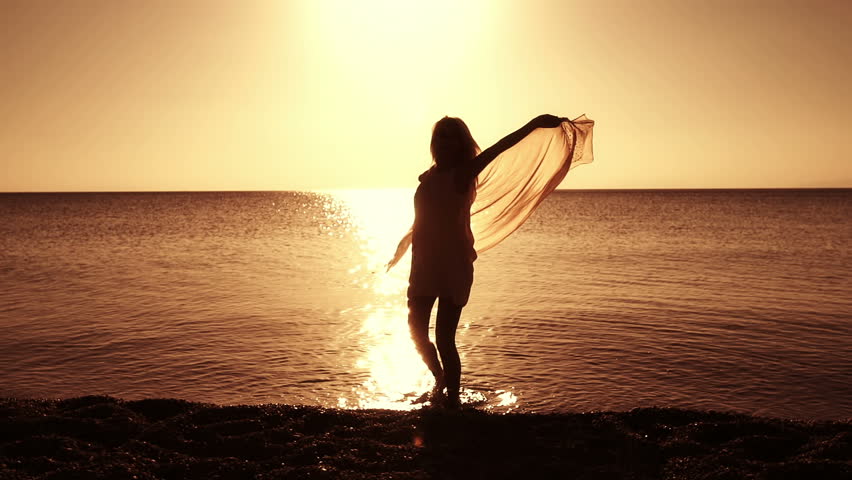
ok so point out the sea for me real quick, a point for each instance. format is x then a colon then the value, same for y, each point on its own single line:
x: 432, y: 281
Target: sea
x: 727, y: 300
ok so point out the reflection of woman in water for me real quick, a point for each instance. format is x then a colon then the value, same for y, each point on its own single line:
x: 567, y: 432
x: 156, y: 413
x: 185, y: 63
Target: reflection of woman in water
x: 442, y: 242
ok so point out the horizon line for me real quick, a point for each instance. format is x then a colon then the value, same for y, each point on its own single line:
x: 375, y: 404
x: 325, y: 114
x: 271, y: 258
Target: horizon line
x: 327, y: 190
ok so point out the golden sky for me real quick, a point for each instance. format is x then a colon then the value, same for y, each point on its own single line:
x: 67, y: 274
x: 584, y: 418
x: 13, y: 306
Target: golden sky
x: 292, y: 95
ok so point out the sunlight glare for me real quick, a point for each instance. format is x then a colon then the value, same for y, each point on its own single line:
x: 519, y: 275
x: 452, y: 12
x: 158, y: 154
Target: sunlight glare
x: 380, y: 217
x: 396, y: 373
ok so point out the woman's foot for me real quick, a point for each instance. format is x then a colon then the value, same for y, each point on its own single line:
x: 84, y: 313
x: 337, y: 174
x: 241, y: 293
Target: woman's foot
x: 438, y: 389
x: 437, y: 394
x: 434, y: 396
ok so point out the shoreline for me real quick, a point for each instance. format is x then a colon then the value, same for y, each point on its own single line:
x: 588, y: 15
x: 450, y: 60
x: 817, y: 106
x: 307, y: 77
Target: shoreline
x: 105, y: 437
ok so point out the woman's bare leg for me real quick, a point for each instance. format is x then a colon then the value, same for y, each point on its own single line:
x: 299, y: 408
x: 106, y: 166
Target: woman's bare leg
x: 419, y: 310
x: 445, y: 336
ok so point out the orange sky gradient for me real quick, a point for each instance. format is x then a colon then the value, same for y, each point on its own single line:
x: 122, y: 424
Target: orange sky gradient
x: 315, y: 94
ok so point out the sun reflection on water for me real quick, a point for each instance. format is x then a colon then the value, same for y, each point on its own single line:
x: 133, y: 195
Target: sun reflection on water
x: 396, y: 374
x: 378, y: 218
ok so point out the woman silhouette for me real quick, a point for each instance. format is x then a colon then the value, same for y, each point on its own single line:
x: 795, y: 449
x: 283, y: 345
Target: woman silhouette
x: 442, y: 243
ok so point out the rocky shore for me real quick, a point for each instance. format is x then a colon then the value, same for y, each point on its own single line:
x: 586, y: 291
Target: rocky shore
x: 104, y: 437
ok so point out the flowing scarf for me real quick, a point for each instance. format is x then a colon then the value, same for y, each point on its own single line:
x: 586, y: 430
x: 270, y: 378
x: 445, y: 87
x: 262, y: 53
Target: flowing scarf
x: 515, y: 183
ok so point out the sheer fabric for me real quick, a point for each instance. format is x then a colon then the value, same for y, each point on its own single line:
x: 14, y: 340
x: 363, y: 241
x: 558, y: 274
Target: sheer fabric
x: 516, y: 182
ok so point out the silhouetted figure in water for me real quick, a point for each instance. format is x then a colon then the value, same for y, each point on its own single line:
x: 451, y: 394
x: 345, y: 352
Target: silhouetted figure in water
x: 442, y: 243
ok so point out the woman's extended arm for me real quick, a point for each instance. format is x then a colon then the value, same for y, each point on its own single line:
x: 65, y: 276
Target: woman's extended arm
x: 483, y: 159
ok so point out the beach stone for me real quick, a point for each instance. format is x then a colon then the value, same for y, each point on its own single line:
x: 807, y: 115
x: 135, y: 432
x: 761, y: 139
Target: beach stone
x: 80, y: 428
x: 77, y: 403
x: 683, y: 448
x: 164, y: 435
x: 806, y: 470
x: 234, y: 427
x: 281, y: 436
x: 765, y: 448
x: 837, y: 447
x: 159, y: 408
x: 208, y: 414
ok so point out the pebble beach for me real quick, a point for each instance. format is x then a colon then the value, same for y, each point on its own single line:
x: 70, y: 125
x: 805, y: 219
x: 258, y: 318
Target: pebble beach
x: 105, y: 437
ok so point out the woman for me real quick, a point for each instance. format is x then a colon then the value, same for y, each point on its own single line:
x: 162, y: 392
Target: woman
x: 443, y: 244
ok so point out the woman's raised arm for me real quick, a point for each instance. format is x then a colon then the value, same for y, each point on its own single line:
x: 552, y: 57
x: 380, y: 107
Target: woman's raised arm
x: 482, y: 160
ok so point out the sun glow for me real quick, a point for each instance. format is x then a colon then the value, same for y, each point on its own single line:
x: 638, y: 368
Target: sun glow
x: 409, y: 29
x: 375, y: 59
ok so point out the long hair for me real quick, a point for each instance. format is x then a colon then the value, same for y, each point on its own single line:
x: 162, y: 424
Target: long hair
x: 452, y: 142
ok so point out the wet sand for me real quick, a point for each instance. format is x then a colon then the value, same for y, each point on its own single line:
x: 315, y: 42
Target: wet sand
x: 104, y: 437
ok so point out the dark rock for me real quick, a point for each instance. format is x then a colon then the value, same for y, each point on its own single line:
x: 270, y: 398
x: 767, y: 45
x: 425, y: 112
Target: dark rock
x: 159, y: 408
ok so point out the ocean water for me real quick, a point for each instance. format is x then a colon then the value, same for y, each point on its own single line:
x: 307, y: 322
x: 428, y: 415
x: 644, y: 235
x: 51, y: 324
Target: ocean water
x: 604, y: 300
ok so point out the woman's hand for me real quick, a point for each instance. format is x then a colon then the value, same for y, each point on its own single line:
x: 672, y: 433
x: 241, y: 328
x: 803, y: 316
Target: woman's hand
x: 546, y: 121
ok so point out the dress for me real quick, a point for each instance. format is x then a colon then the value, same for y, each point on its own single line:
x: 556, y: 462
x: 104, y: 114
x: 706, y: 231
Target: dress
x: 442, y: 252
